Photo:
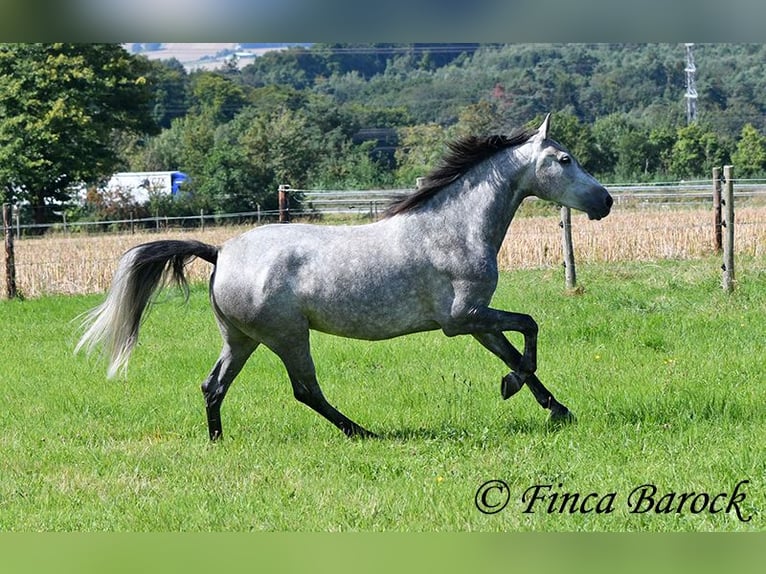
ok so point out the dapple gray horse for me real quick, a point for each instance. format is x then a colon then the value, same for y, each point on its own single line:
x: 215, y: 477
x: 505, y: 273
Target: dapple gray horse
x: 429, y: 263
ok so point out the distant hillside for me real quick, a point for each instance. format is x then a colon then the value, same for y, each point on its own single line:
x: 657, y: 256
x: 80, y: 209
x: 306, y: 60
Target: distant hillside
x: 207, y: 56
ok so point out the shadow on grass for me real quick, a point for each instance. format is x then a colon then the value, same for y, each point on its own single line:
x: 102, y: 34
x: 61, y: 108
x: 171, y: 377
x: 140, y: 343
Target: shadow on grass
x: 528, y: 426
x: 670, y: 411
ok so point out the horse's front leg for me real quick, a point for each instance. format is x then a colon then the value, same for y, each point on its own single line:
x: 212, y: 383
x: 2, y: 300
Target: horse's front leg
x: 483, y: 320
x: 502, y: 348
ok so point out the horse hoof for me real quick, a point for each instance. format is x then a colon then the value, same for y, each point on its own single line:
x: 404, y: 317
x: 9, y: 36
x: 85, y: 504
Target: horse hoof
x: 562, y: 415
x: 510, y: 385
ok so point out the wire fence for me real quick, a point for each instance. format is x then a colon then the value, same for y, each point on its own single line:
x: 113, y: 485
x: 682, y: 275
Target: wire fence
x: 648, y: 222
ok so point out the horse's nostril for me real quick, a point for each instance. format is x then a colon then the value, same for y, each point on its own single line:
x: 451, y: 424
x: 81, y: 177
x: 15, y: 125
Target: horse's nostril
x: 609, y: 201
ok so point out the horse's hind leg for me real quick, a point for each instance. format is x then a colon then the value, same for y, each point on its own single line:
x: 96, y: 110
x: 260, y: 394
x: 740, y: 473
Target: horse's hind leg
x: 546, y: 400
x: 512, y: 383
x: 233, y: 357
x: 296, y: 356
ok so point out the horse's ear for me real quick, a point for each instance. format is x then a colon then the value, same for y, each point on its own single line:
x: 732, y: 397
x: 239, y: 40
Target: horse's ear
x: 542, y: 131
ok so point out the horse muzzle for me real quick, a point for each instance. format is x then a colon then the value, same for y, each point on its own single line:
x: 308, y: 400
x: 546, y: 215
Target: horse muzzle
x: 602, y: 207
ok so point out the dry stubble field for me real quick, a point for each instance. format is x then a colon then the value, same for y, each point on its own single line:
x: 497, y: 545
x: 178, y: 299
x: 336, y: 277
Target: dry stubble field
x: 81, y: 263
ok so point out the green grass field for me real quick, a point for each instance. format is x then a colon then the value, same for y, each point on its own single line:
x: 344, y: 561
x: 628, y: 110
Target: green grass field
x: 664, y: 371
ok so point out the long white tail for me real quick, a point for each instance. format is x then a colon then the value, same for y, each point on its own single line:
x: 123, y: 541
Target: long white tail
x: 114, y: 324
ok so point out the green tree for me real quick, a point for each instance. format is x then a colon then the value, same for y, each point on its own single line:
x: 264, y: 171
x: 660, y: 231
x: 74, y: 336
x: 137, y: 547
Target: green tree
x: 296, y: 67
x: 163, y: 152
x: 351, y: 166
x: 695, y: 152
x: 264, y: 151
x: 59, y: 107
x: 750, y: 156
x: 479, y: 119
x: 659, y: 150
x: 628, y: 150
x: 293, y: 145
x: 217, y: 95
x: 420, y: 148
x: 607, y: 131
x: 227, y: 179
x: 170, y: 93
x: 186, y: 146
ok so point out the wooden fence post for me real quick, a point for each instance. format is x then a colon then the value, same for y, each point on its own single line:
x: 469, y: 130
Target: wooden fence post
x: 284, y: 204
x: 10, y: 263
x: 728, y: 223
x: 717, y: 238
x: 568, y: 248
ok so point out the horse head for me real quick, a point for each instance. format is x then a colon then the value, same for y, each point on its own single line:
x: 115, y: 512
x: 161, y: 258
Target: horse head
x: 557, y: 176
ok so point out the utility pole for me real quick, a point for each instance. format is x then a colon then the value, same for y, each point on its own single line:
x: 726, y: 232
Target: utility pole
x: 691, y: 86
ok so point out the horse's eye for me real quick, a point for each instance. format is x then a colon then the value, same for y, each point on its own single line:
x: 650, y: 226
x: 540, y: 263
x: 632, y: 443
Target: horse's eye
x: 565, y: 159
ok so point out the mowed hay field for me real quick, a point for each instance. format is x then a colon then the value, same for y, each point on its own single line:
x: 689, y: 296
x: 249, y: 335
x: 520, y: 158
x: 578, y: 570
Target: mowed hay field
x: 80, y: 263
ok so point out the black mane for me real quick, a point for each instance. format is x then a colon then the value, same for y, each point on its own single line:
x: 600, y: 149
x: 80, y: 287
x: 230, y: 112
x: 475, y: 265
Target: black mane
x: 463, y: 154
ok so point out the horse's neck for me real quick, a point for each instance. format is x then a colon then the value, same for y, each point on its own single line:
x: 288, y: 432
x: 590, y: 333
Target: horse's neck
x: 479, y: 207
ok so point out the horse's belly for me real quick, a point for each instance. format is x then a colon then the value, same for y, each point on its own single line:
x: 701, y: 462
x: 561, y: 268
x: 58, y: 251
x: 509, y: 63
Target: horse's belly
x: 369, y: 310
x: 371, y: 324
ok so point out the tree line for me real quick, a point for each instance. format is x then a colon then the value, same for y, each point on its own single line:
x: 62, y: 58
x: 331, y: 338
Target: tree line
x: 355, y: 116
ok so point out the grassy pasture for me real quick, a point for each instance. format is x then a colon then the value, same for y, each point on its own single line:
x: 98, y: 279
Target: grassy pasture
x: 664, y: 371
